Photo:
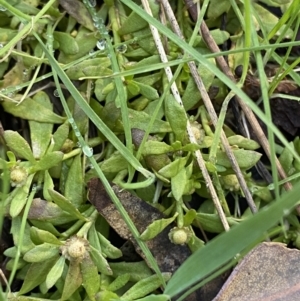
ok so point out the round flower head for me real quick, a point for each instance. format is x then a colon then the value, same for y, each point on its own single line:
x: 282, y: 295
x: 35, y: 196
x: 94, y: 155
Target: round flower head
x: 75, y: 248
x: 18, y: 176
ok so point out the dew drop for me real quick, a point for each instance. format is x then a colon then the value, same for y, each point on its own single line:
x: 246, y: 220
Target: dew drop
x: 88, y: 151
x: 92, y: 52
x: 101, y: 44
x: 77, y: 134
x: 122, y: 48
x: 71, y: 120
x: 55, y: 93
x: 92, y: 3
x: 2, y: 8
x: 1, y: 45
x: 78, y: 144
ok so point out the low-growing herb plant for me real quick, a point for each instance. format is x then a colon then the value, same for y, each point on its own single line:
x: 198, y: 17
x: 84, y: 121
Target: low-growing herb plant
x: 87, y: 82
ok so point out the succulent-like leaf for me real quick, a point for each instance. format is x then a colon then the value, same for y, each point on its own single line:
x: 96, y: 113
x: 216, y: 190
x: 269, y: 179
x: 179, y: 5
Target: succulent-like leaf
x: 90, y: 277
x: 18, y: 145
x: 145, y: 287
x: 65, y: 204
x: 55, y: 272
x: 156, y: 227
x: 31, y: 110
x: 73, y: 280
x: 37, y: 274
x: 73, y: 187
x: 42, y: 252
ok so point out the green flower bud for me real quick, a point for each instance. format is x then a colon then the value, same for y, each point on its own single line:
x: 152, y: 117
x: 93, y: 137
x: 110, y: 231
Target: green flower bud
x: 180, y: 236
x: 230, y: 182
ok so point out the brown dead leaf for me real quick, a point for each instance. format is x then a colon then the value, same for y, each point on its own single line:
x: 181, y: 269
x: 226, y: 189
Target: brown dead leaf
x: 270, y: 272
x: 167, y: 255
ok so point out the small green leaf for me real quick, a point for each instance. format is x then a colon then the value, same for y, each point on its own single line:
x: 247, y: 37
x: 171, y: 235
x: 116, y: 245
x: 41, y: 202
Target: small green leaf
x: 94, y: 239
x: 145, y: 287
x: 153, y: 147
x: 172, y: 169
x: 100, y: 261
x: 191, y: 95
x: 107, y: 296
x: 90, y: 277
x: 133, y: 88
x: 137, y: 270
x: 140, y: 120
x: 217, y: 7
x: 20, y: 198
x: 176, y: 116
x: 67, y: 43
x: 40, y: 132
x: 42, y: 252
x: 74, y: 189
x: 189, y: 217
x: 55, y: 272
x: 73, y: 280
x: 156, y: 227
x: 18, y: 145
x: 178, y: 183
x: 60, y: 136
x: 39, y: 236
x: 212, y: 222
x: 77, y: 71
x: 119, y: 282
x: 86, y: 41
x: 47, y: 161
x: 245, y: 158
x: 286, y: 159
x: 147, y: 91
x: 36, y: 275
x: 134, y: 22
x: 269, y: 21
x: 195, y: 243
x: 44, y: 211
x: 25, y: 244
x: 243, y: 142
x: 65, y: 204
x: 108, y: 249
x: 31, y: 110
x: 115, y: 163
x: 48, y: 184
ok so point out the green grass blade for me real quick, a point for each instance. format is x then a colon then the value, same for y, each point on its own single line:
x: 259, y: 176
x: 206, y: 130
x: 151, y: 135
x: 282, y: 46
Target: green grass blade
x: 92, y: 115
x: 207, y: 64
x: 213, y: 255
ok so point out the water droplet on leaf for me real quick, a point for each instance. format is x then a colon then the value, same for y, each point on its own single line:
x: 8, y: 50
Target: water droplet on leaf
x: 92, y: 3
x: 101, y: 44
x: 122, y: 48
x: 88, y: 151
